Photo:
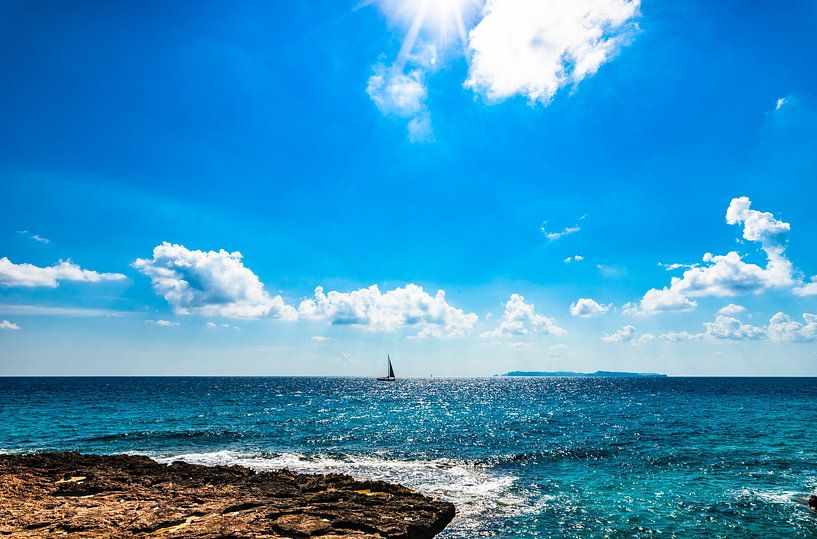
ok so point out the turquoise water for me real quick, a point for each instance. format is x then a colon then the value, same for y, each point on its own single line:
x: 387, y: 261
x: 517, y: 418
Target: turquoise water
x: 520, y: 457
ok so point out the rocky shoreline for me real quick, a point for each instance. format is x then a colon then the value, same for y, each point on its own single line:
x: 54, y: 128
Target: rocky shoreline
x: 47, y: 494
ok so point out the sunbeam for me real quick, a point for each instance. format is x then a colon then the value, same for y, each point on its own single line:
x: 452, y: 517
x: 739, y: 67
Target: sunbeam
x: 438, y: 21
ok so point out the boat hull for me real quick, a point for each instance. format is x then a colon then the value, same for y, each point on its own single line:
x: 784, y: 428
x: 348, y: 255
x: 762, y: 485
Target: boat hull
x: 386, y: 379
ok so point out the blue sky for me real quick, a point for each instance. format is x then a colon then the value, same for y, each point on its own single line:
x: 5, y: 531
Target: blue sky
x: 332, y: 146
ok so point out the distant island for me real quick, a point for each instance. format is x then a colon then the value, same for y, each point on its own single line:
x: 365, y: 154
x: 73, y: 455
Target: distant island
x: 597, y: 374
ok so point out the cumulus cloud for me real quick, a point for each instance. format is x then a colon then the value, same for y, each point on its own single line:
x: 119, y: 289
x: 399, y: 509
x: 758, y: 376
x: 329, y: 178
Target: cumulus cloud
x: 678, y: 336
x: 728, y: 275
x: 5, y: 324
x: 533, y: 48
x: 625, y: 334
x: 646, y: 338
x: 577, y: 258
x: 517, y: 47
x: 783, y: 328
x: 210, y: 283
x: 403, y: 95
x: 29, y: 275
x: 409, y: 306
x: 758, y: 225
x: 521, y: 318
x: 807, y: 289
x: 586, y: 308
x: 731, y: 309
x: 727, y: 327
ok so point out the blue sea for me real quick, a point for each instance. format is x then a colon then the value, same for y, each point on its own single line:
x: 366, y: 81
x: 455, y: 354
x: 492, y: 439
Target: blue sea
x: 520, y: 457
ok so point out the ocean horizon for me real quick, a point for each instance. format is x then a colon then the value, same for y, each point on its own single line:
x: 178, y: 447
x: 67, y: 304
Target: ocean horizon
x: 519, y: 457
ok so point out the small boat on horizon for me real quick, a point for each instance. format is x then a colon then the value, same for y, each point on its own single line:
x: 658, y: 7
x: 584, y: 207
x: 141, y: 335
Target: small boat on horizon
x: 390, y: 377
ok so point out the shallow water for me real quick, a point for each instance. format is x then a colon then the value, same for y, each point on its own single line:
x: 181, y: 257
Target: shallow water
x: 520, y: 457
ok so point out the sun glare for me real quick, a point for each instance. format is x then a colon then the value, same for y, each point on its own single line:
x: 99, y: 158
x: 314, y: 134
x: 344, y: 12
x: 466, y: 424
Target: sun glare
x: 438, y: 21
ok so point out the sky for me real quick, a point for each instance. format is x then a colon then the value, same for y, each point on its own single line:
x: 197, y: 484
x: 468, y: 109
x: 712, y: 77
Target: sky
x: 301, y: 187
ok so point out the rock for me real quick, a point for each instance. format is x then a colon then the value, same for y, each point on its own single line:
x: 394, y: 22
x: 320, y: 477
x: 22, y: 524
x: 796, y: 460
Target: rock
x: 812, y: 502
x: 47, y: 494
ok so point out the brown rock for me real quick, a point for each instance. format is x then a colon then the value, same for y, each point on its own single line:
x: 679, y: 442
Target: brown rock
x: 46, y: 494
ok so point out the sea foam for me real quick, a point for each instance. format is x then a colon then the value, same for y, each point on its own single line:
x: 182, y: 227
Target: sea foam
x: 480, y: 495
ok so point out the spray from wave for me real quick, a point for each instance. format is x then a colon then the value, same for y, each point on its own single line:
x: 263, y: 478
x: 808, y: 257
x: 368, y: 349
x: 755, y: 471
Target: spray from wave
x: 481, y: 496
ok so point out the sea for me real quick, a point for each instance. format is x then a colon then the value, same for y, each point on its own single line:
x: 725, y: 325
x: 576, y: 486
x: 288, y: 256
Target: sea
x: 519, y: 457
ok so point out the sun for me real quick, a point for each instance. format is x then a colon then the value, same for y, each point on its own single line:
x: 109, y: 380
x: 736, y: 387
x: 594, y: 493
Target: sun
x: 439, y: 21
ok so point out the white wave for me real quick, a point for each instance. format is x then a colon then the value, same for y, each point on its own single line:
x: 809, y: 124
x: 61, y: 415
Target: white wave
x: 478, y: 494
x: 781, y: 496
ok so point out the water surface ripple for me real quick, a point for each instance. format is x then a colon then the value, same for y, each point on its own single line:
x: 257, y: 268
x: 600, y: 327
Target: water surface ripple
x: 521, y: 457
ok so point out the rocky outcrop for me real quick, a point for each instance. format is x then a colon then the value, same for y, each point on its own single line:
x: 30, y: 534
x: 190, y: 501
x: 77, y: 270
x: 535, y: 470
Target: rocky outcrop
x: 812, y: 502
x: 47, y: 494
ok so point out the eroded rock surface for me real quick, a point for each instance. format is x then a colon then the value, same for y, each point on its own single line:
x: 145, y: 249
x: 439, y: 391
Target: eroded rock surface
x: 47, y: 494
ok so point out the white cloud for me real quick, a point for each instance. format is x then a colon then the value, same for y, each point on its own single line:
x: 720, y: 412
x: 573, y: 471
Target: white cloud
x: 611, y: 272
x: 520, y: 318
x: 29, y: 275
x: 162, y: 323
x: 727, y: 327
x: 553, y: 236
x: 35, y: 237
x: 758, y: 226
x: 419, y: 128
x: 780, y: 328
x: 731, y: 309
x: 566, y: 231
x: 780, y: 102
x: 213, y: 325
x: 42, y: 310
x: 675, y: 265
x: 783, y: 328
x: 5, y: 324
x: 517, y: 47
x: 319, y: 338
x: 533, y: 48
x: 646, y: 338
x: 403, y: 95
x: 625, y: 334
x: 211, y: 283
x: 577, y: 258
x: 678, y: 336
x: 728, y: 275
x: 807, y: 289
x: 410, y: 306
x: 586, y: 308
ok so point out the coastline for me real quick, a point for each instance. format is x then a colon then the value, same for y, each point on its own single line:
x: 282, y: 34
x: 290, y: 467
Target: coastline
x: 43, y: 494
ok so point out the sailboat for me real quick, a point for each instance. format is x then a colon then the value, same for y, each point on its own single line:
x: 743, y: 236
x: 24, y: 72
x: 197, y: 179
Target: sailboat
x: 390, y: 377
